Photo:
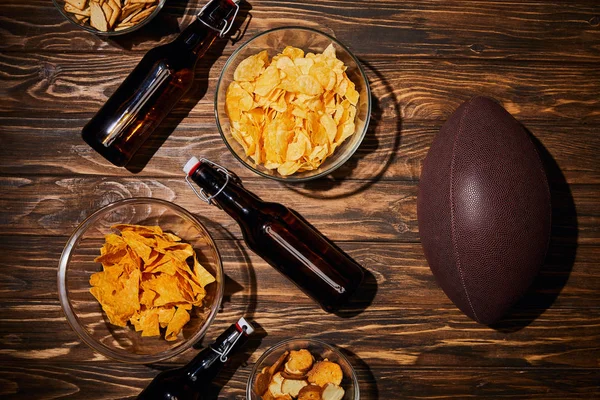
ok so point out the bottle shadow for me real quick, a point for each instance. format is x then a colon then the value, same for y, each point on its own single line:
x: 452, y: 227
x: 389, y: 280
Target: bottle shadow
x: 554, y: 273
x: 362, y: 299
x: 366, y: 379
x: 381, y: 102
x: 238, y: 360
x: 364, y: 295
x: 231, y: 287
x: 192, y: 97
x: 165, y: 23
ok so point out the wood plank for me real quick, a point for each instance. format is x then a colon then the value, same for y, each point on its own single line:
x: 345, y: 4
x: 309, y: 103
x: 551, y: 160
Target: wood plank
x: 388, y: 152
x: 384, y: 212
x: 401, y: 276
x: 531, y: 30
x: 423, y: 58
x: 110, y: 380
x: 492, y: 384
x: 435, y: 337
x: 49, y: 84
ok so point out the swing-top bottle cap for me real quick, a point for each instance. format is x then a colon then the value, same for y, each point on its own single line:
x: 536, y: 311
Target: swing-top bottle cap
x: 242, y: 323
x: 191, y: 165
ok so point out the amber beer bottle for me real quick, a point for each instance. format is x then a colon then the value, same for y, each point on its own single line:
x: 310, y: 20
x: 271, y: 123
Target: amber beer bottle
x: 156, y: 84
x: 280, y: 236
x: 190, y: 381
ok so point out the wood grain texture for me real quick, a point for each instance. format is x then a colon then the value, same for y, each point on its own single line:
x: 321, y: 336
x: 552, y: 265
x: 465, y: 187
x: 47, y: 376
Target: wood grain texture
x: 388, y: 152
x: 531, y: 30
x: 107, y: 381
x: 51, y: 84
x: 385, y: 212
x: 538, y: 58
x: 420, y: 325
x: 384, y: 334
x: 569, y: 277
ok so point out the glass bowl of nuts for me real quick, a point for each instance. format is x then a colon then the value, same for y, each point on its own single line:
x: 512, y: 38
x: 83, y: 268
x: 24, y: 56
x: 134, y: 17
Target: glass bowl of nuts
x: 302, y: 369
x: 109, y: 17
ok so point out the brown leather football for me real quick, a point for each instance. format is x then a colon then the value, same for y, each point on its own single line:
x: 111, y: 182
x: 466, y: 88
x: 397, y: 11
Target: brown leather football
x: 484, y: 209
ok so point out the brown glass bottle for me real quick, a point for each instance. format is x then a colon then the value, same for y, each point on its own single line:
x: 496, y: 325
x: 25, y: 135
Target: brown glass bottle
x: 157, y: 83
x: 281, y: 237
x: 190, y: 381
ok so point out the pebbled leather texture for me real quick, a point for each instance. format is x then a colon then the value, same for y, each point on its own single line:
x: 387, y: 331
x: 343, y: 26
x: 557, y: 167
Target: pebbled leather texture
x: 484, y: 209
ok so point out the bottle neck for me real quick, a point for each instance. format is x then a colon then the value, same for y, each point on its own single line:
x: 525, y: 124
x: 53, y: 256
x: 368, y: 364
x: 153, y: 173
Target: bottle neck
x: 201, y: 33
x: 230, y: 196
x: 196, y: 38
x: 207, y: 364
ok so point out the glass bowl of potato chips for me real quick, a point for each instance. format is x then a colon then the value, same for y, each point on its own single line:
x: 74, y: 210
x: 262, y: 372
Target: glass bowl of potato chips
x: 293, y: 104
x: 303, y: 369
x: 140, y: 280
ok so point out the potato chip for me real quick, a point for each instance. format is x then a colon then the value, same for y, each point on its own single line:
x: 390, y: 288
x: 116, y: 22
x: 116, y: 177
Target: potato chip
x: 239, y: 100
x: 330, y: 127
x: 267, y: 81
x: 291, y: 112
x: 293, y: 52
x: 351, y: 93
x: 304, y: 64
x: 297, y: 148
x: 324, y: 75
x: 250, y: 68
x: 329, y: 51
x: 148, y: 276
x: 284, y: 62
x: 288, y: 167
x: 308, y: 85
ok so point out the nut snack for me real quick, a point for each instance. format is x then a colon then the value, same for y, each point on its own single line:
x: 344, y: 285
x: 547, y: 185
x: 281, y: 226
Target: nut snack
x: 298, y: 375
x: 110, y: 15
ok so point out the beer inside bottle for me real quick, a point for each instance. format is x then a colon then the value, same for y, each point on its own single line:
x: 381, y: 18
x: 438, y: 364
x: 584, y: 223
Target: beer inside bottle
x: 156, y: 84
x: 282, y: 238
x: 189, y: 382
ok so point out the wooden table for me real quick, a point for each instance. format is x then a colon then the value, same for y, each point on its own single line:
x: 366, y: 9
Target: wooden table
x: 540, y: 59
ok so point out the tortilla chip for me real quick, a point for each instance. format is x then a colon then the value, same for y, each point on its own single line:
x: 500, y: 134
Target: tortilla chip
x: 146, y: 280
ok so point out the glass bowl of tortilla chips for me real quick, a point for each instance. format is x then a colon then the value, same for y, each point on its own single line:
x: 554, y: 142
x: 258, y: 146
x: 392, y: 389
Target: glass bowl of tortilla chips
x: 293, y: 104
x: 140, y: 280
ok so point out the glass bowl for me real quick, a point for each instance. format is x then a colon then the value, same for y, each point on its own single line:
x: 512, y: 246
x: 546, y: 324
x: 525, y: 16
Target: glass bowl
x: 60, y: 5
x: 309, y: 40
x: 320, y: 350
x: 85, y: 314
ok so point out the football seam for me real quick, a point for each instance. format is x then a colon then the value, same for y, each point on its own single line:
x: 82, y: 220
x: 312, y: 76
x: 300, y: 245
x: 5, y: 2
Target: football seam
x: 452, y: 225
